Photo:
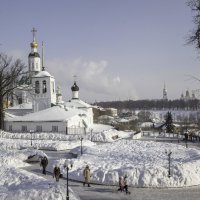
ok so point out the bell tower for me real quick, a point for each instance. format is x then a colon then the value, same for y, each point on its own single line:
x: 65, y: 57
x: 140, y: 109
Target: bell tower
x: 34, y: 57
x: 43, y: 88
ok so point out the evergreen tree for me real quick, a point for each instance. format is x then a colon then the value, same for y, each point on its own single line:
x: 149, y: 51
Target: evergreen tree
x: 169, y: 123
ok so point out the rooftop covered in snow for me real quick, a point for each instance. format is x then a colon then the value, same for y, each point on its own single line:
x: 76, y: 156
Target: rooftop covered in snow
x: 55, y: 113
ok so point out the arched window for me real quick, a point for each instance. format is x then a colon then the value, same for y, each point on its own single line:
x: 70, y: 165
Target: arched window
x: 44, y: 86
x: 37, y: 87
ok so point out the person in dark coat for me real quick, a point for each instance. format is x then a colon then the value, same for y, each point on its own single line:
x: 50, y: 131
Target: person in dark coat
x: 44, y: 163
x: 87, y: 175
x: 56, y: 173
x: 186, y: 136
x: 126, y: 185
x: 121, y: 183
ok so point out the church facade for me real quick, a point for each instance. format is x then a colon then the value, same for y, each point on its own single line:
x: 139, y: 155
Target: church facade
x: 38, y: 106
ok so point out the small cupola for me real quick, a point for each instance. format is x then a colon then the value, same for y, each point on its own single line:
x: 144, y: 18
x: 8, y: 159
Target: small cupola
x: 34, y: 45
x: 75, y: 90
x: 34, y: 56
x: 75, y: 87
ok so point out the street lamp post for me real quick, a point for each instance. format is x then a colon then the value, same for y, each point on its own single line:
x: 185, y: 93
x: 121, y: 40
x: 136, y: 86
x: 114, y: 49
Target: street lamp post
x: 178, y: 135
x: 186, y: 140
x: 67, y: 196
x: 169, y: 162
x: 31, y: 132
x: 91, y: 134
x: 81, y: 145
x: 66, y: 166
x: 186, y: 143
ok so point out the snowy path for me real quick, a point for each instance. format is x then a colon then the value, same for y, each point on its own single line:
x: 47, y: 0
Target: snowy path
x: 96, y: 192
x: 102, y: 192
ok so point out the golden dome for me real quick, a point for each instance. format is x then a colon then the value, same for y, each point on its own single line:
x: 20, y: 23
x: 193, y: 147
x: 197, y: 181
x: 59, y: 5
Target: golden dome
x: 34, y: 44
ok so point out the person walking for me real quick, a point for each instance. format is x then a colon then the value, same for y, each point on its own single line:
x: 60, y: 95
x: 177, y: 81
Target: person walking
x: 126, y: 185
x: 44, y: 163
x: 87, y: 176
x: 56, y: 173
x: 121, y: 184
x: 186, y: 136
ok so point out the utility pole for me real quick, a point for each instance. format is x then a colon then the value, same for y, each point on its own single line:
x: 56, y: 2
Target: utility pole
x: 169, y: 162
x: 91, y: 134
x: 81, y: 145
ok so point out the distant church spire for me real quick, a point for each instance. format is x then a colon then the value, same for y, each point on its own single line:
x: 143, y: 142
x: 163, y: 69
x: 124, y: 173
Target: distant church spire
x: 164, y: 93
x: 58, y: 95
x: 43, y: 68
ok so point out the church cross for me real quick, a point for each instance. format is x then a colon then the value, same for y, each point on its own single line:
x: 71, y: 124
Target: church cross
x: 75, y: 78
x: 33, y: 31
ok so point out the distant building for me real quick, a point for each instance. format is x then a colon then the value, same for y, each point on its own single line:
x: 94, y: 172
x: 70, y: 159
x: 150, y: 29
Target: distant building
x: 187, y: 96
x: 184, y: 96
x: 165, y: 93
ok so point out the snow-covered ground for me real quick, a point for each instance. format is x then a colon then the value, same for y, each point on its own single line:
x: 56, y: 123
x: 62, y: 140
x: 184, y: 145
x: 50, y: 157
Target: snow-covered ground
x: 55, y: 141
x: 20, y: 184
x: 94, y: 129
x: 41, y: 144
x: 145, y: 163
x: 16, y: 183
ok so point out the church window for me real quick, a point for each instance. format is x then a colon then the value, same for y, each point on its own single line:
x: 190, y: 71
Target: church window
x: 36, y: 65
x: 37, y: 87
x: 33, y: 66
x: 54, y: 128
x: 44, y: 86
x: 24, y: 128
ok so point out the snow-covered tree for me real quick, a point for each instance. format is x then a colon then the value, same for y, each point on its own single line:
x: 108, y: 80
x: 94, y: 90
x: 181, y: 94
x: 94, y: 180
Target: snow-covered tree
x: 10, y: 71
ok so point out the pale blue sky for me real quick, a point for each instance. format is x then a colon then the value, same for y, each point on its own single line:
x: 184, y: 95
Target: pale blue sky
x: 119, y: 49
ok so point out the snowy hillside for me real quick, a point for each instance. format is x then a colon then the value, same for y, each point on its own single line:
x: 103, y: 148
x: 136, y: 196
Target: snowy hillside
x: 145, y: 163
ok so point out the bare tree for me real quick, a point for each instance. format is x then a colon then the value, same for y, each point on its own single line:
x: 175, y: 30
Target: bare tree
x: 10, y: 72
x: 194, y: 37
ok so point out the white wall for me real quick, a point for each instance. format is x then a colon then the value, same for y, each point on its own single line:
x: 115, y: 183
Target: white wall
x: 46, y: 126
x: 74, y: 122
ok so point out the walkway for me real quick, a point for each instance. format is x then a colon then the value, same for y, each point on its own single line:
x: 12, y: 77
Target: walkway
x: 102, y: 192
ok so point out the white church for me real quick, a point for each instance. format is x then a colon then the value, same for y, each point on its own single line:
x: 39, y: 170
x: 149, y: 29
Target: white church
x: 38, y: 107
